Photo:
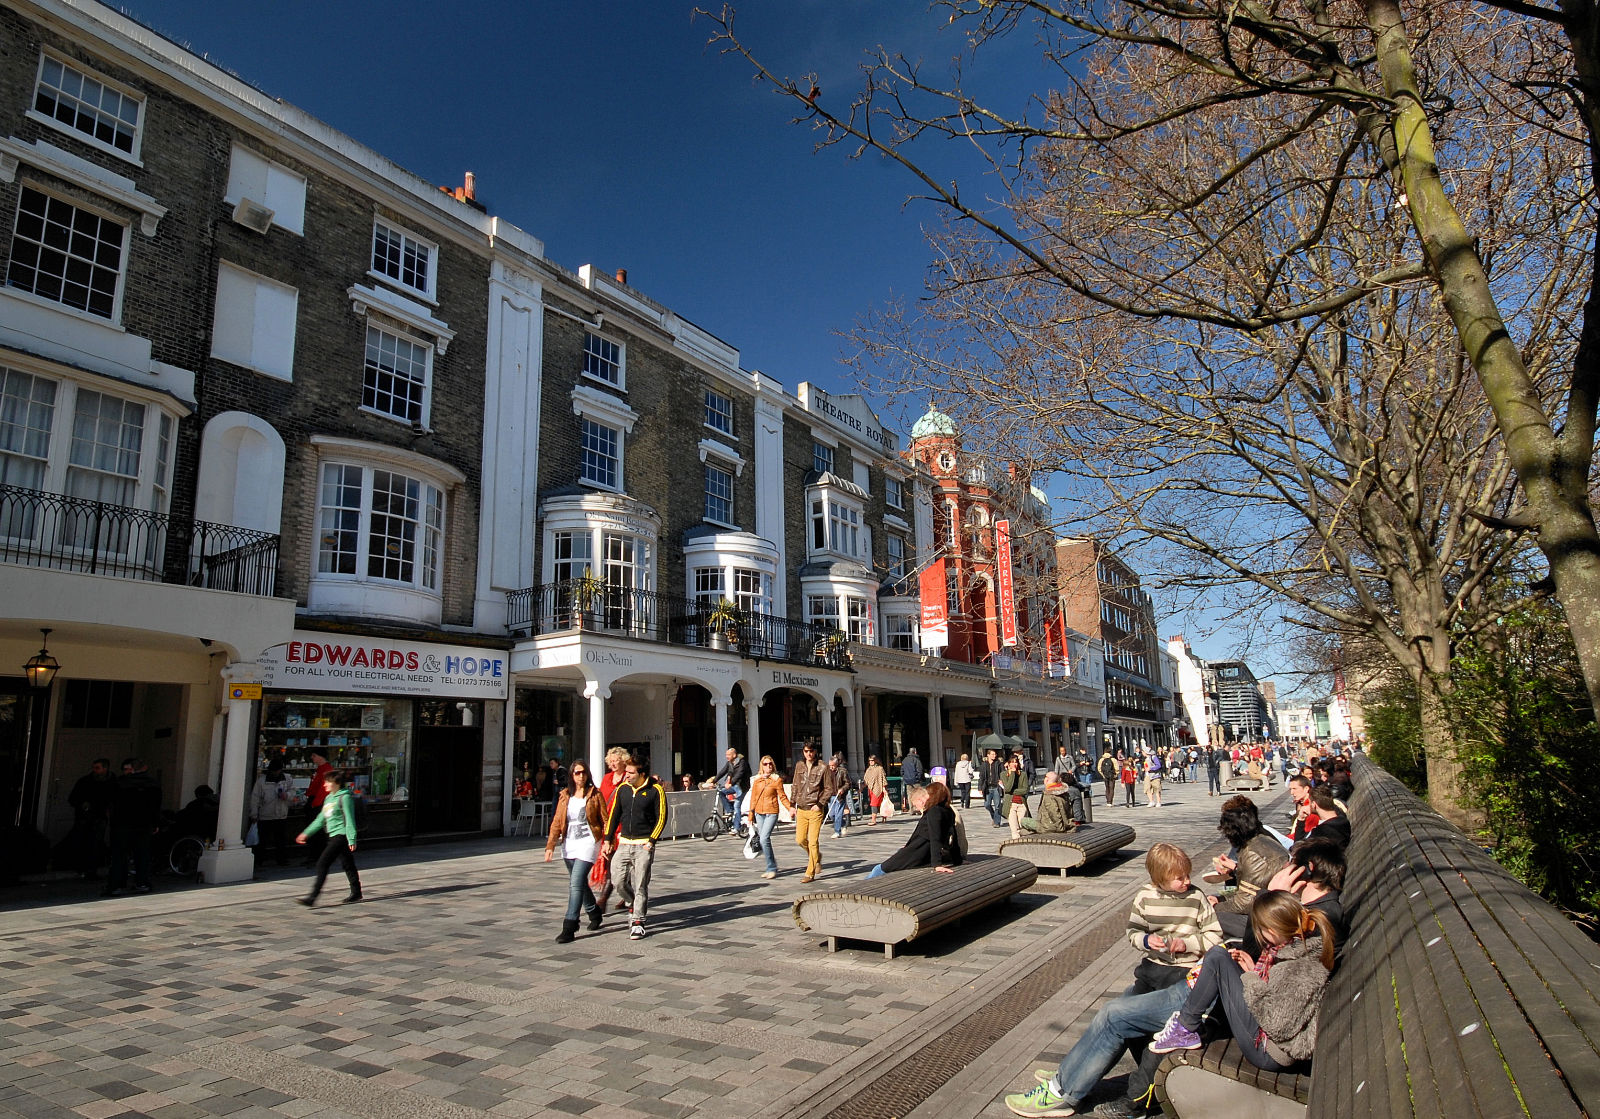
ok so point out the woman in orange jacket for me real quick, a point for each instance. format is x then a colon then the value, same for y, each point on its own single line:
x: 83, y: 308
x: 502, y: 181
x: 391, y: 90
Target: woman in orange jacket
x: 579, y: 819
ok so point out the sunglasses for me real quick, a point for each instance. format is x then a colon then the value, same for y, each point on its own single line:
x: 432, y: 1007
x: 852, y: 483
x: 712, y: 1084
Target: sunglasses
x: 580, y: 773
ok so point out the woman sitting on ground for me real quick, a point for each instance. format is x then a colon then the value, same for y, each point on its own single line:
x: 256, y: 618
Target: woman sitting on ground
x: 1272, y: 1003
x: 934, y: 841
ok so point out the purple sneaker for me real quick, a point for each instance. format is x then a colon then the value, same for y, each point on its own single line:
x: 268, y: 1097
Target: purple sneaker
x: 1174, y: 1035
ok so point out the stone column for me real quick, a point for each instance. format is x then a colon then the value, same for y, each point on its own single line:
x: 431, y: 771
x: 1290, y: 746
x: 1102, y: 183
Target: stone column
x: 230, y: 860
x: 597, y: 696
x: 719, y: 709
x: 852, y: 728
x: 935, y: 736
x: 826, y: 710
x: 752, y: 730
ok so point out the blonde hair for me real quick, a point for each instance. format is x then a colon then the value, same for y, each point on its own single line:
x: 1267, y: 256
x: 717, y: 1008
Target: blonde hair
x: 1165, y: 861
x: 1284, y: 916
x: 617, y: 754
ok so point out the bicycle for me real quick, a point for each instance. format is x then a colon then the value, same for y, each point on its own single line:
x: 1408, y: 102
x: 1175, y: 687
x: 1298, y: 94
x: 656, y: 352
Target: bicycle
x: 723, y: 822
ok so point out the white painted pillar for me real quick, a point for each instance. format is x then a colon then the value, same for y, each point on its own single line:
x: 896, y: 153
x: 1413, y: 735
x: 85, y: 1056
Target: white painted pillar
x: 231, y: 860
x: 597, y: 696
x: 719, y: 714
x: 826, y: 710
x: 852, y: 735
x: 508, y: 783
x: 752, y: 730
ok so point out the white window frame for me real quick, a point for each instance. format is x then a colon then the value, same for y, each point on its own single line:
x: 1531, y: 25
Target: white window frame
x: 901, y: 632
x: 893, y: 493
x: 713, y: 471
x: 264, y: 333
x: 115, y: 318
x: 607, y: 411
x: 408, y: 239
x: 615, y: 483
x: 152, y: 479
x: 897, y: 562
x: 713, y: 399
x: 35, y: 113
x: 620, y: 383
x: 822, y: 457
x: 376, y: 325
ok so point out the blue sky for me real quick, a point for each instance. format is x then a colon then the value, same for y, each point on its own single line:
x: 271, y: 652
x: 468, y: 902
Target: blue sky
x: 612, y: 132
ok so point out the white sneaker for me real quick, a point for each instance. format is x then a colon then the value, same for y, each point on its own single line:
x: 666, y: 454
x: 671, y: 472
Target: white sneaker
x: 636, y: 931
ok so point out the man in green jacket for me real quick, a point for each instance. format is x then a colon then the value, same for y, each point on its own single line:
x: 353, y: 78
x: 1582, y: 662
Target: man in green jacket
x: 338, y: 817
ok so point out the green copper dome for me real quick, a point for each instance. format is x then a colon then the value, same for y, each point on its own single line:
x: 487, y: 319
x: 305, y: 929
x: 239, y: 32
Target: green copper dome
x: 934, y: 423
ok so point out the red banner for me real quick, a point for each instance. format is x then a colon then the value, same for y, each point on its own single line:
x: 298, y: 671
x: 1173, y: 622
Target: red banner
x: 1008, y: 599
x: 935, y: 615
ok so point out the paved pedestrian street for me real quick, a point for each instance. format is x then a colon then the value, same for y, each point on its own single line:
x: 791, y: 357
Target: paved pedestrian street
x: 445, y: 996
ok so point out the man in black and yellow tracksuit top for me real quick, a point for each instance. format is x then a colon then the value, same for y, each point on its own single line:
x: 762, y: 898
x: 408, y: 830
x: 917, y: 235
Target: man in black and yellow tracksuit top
x: 637, y: 817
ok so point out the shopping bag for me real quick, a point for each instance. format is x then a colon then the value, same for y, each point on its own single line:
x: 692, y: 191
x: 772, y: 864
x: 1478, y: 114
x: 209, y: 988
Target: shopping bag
x: 600, y: 872
x: 752, y: 846
x: 252, y: 838
x: 886, y: 809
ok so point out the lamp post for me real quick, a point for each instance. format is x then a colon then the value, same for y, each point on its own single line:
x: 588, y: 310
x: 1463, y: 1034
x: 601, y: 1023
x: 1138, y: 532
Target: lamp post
x: 40, y: 670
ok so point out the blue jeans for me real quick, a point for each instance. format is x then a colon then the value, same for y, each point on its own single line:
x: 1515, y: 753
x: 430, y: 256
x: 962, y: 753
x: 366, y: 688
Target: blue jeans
x: 1125, y: 1019
x: 579, y: 895
x: 1194, y: 771
x: 728, y: 800
x: 1222, y: 981
x: 838, y: 815
x: 992, y: 798
x: 877, y: 871
x: 1214, y: 776
x: 765, y: 822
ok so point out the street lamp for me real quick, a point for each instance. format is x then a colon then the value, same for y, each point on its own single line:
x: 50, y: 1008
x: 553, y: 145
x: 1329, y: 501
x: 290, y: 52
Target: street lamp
x: 41, y: 668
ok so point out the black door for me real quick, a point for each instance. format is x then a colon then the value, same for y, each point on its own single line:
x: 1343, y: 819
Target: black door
x: 447, y: 779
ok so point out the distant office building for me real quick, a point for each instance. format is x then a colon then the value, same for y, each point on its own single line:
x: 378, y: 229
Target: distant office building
x: 1241, y: 710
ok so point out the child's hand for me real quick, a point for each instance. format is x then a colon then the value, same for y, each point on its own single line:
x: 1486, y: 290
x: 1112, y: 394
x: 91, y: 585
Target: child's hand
x: 1156, y: 943
x: 1242, y: 958
x: 1177, y: 946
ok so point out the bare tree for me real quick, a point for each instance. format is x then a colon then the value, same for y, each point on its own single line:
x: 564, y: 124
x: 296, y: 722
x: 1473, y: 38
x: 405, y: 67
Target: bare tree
x: 1229, y: 256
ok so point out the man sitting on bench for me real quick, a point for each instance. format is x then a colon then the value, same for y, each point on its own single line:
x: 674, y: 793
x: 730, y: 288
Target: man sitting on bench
x: 1054, y: 813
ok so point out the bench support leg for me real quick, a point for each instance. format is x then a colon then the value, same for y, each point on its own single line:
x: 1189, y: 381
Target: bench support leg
x: 833, y: 944
x: 888, y: 951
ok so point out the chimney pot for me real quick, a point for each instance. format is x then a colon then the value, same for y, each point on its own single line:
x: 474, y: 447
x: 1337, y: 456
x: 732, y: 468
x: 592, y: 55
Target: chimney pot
x: 471, y: 188
x: 622, y: 276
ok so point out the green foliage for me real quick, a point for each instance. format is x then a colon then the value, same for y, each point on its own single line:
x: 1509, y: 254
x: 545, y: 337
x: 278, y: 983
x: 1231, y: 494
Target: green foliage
x: 1527, y: 741
x: 1394, y: 734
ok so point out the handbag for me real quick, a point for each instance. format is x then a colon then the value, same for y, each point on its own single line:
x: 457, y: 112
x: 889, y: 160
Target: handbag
x: 752, y: 846
x: 600, y: 872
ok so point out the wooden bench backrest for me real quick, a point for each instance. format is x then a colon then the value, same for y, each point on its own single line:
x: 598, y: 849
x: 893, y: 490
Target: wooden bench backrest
x: 1461, y: 992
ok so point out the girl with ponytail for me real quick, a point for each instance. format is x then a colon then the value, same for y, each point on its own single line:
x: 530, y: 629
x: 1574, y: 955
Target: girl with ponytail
x: 1271, y: 1003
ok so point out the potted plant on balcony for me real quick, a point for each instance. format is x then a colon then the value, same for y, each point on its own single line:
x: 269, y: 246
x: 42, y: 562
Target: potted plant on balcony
x: 586, y: 592
x: 834, y: 646
x: 723, y: 623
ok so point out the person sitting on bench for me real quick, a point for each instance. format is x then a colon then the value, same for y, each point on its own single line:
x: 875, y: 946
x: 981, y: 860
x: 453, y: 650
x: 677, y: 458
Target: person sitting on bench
x: 1054, y: 813
x: 934, y: 842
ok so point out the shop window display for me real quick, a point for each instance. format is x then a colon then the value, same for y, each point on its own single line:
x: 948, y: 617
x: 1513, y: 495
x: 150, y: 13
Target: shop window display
x: 369, y: 737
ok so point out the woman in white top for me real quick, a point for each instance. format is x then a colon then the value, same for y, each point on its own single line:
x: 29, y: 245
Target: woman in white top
x: 579, y: 817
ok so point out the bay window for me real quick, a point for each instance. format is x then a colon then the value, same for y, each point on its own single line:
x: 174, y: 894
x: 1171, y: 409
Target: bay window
x: 378, y: 524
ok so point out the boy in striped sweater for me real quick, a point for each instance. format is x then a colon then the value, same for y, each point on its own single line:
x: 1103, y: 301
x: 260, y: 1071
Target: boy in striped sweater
x: 1171, y: 921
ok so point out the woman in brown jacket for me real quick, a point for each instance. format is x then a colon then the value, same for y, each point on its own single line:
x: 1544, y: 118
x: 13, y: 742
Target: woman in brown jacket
x: 766, y: 792
x: 579, y: 818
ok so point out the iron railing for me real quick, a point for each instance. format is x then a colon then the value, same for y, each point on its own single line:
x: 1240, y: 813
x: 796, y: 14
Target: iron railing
x: 649, y: 616
x: 41, y: 529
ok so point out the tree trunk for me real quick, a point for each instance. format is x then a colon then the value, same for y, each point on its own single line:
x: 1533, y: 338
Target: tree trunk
x: 1447, y: 789
x: 1554, y: 479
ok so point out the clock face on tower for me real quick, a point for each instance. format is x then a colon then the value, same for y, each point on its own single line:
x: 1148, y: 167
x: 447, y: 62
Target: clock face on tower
x: 947, y: 461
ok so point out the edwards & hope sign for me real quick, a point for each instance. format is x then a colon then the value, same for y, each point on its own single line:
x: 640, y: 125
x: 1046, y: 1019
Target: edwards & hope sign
x: 321, y: 662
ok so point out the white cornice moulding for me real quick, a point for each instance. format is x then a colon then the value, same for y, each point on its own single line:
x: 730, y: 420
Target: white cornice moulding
x: 74, y: 169
x: 724, y: 452
x: 360, y: 449
x: 407, y: 311
x: 592, y: 402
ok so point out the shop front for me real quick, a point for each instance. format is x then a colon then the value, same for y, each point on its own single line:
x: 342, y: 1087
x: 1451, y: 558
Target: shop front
x: 415, y: 726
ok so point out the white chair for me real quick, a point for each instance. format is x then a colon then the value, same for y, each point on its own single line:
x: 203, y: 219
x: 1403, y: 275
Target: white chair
x: 534, y: 815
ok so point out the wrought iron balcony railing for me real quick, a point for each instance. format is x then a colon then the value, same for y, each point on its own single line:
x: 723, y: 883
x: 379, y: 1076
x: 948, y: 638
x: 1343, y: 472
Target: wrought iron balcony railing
x: 40, y: 529
x: 648, y: 616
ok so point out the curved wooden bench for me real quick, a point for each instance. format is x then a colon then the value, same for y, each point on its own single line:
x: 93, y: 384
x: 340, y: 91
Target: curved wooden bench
x: 1067, y: 850
x: 1208, y: 1081
x: 910, y: 903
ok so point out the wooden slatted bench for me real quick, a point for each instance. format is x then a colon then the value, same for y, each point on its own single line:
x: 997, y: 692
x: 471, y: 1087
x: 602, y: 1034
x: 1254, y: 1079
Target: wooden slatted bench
x: 1460, y: 994
x: 910, y: 903
x: 1066, y: 851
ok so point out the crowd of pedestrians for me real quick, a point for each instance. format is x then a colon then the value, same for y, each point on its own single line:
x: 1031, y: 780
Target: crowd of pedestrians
x: 1246, y: 956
